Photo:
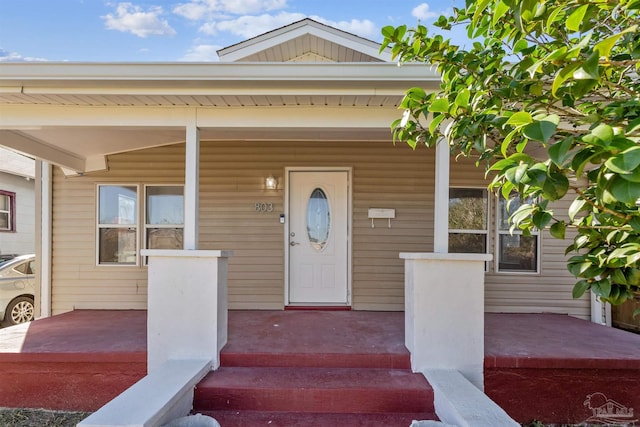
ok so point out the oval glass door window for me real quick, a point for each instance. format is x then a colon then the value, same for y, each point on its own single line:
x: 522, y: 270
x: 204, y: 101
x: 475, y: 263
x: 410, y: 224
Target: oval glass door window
x: 318, y: 219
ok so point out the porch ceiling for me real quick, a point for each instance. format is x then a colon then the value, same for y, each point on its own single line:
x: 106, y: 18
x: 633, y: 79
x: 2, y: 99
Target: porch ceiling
x: 259, y: 99
x: 68, y: 147
x: 111, y: 140
x: 74, y: 115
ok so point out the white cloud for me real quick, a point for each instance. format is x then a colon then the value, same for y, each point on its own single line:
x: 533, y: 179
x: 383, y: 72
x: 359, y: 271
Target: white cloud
x: 210, y: 28
x: 202, y: 53
x: 363, y: 28
x: 197, y: 10
x: 194, y: 11
x: 250, y: 26
x: 129, y: 18
x: 423, y: 11
x: 252, y: 6
x: 6, y: 56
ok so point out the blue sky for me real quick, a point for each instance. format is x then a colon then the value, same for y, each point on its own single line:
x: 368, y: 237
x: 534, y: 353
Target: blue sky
x: 181, y: 30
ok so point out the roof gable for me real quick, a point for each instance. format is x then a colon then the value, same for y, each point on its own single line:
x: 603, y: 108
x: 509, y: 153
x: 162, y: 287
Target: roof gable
x: 305, y: 41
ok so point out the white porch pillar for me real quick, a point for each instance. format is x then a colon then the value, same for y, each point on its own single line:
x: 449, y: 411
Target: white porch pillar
x: 441, y: 199
x: 600, y: 311
x: 187, y: 305
x: 43, y: 238
x: 444, y: 312
x: 191, y: 187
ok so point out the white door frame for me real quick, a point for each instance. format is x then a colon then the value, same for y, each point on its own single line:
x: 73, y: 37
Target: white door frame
x: 287, y: 187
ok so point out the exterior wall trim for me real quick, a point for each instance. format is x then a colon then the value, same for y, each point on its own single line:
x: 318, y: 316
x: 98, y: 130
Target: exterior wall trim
x: 43, y: 200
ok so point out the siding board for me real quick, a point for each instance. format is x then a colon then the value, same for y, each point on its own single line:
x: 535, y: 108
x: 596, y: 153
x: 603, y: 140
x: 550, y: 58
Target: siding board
x: 77, y: 281
x: 241, y: 168
x: 231, y: 183
x: 547, y: 291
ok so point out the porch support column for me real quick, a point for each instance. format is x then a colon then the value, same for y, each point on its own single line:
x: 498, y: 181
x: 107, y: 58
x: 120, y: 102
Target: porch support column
x: 441, y: 199
x: 187, y: 305
x: 43, y: 238
x: 600, y: 311
x: 191, y: 187
x: 444, y: 312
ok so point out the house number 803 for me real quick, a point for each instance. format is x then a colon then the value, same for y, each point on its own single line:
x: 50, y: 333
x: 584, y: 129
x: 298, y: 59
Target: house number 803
x: 264, y: 207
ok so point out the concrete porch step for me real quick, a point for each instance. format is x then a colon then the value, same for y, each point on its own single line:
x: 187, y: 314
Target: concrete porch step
x: 310, y: 419
x: 317, y: 360
x: 314, y: 390
x: 315, y: 368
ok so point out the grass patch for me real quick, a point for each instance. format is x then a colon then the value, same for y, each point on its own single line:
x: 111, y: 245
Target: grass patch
x: 40, y: 418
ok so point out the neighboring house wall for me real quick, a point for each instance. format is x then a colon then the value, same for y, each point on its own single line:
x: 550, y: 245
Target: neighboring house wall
x: 231, y: 183
x: 22, y: 239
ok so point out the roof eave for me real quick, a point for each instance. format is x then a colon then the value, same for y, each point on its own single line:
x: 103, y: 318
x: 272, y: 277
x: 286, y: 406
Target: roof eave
x: 194, y: 77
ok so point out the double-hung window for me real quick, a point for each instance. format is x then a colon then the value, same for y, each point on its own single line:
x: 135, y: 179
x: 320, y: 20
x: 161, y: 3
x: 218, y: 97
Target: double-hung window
x: 117, y: 224
x: 118, y: 214
x: 7, y: 211
x: 164, y: 217
x: 516, y: 252
x: 468, y: 212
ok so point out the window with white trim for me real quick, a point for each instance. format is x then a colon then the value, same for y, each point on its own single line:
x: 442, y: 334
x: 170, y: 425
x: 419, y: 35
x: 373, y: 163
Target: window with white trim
x: 164, y: 216
x: 468, y: 223
x: 7, y: 211
x: 516, y: 252
x: 117, y: 225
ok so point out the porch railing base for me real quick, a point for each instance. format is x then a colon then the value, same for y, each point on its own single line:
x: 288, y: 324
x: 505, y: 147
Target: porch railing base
x: 444, y: 312
x: 187, y: 312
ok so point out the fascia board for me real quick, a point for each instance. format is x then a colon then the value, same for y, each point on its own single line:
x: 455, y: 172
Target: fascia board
x: 244, y: 89
x: 14, y: 77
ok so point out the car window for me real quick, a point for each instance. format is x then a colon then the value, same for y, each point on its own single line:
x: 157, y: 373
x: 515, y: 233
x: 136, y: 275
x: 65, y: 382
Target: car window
x: 26, y: 267
x: 22, y: 267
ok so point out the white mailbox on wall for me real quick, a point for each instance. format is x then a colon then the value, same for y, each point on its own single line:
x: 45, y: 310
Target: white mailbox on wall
x: 380, y: 213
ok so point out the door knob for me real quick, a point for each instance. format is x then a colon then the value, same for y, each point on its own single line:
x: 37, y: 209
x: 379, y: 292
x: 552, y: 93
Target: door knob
x: 293, y: 243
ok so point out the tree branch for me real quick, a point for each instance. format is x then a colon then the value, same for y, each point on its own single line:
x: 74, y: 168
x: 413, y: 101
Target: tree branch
x: 600, y: 208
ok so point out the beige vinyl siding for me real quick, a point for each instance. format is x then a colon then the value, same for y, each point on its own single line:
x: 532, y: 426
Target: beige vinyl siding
x: 77, y: 282
x: 549, y: 290
x: 231, y: 183
x: 404, y: 183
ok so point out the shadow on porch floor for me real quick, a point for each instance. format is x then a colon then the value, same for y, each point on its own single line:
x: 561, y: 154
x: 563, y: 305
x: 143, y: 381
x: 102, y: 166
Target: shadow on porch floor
x: 541, y: 366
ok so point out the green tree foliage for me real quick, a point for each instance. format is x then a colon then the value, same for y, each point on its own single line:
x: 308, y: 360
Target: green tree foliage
x: 549, y: 101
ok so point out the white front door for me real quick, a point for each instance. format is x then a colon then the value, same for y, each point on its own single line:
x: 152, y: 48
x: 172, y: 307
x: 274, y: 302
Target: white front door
x: 318, y: 237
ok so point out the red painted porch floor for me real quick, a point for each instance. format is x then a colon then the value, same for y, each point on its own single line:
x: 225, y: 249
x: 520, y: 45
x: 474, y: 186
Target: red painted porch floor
x: 559, y: 369
x: 537, y: 366
x: 74, y: 361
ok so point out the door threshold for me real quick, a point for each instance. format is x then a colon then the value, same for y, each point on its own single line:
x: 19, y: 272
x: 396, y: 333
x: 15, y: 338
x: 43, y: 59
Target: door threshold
x: 318, y: 307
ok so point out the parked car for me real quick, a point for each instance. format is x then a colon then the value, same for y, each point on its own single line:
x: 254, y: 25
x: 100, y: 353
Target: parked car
x: 17, y: 289
x: 6, y: 257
